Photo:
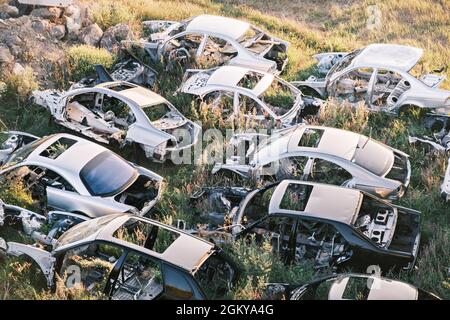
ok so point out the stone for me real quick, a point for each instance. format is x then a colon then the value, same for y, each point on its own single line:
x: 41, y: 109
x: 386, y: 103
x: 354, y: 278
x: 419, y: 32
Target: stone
x: 113, y: 37
x: 91, y: 35
x: 18, y: 69
x: 5, y: 54
x: 39, y: 25
x: 72, y: 15
x: 51, y: 13
x: 57, y: 32
x: 7, y: 11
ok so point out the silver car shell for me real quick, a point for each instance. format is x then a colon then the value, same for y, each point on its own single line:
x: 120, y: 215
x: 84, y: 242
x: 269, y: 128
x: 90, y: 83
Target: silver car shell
x: 396, y: 58
x: 142, y: 131
x: 336, y: 146
x: 68, y: 165
x: 226, y: 79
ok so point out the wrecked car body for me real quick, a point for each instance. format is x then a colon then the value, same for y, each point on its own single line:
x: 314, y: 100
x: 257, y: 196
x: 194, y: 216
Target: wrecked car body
x: 122, y: 113
x: 68, y: 173
x: 128, y: 69
x: 209, y: 40
x: 379, y: 75
x: 32, y: 224
x: 355, y: 286
x: 104, y: 256
x: 254, y: 97
x: 11, y: 141
x: 326, y: 155
x: 440, y: 142
x: 332, y: 226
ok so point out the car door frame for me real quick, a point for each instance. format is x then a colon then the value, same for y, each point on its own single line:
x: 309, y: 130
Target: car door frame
x: 370, y: 84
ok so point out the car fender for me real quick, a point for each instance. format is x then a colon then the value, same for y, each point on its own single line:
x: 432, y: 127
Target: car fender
x: 44, y: 259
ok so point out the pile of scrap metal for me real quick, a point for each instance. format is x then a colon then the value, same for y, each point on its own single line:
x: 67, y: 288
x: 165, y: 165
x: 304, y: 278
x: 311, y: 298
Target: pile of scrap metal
x: 440, y: 142
x: 128, y: 68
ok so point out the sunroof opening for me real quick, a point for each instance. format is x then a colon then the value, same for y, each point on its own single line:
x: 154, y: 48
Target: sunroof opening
x: 311, y: 138
x: 57, y: 148
x: 146, y: 235
x: 121, y: 87
x: 296, y: 197
x: 250, y: 80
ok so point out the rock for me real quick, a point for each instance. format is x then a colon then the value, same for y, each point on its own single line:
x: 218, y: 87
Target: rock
x: 51, y: 13
x: 72, y: 15
x: 5, y: 54
x: 39, y: 25
x: 91, y: 35
x: 18, y: 69
x: 7, y: 11
x: 57, y: 32
x: 113, y: 36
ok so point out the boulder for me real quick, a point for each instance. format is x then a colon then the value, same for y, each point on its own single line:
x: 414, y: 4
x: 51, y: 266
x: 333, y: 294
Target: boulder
x: 5, y: 54
x: 113, y: 37
x: 18, y: 69
x: 91, y: 35
x: 7, y: 11
x: 72, y: 15
x: 57, y: 32
x: 50, y: 13
x: 39, y: 25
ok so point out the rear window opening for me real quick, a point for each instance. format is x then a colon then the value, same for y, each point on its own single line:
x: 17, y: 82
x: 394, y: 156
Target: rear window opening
x: 57, y: 148
x: 311, y: 138
x: 146, y: 235
x: 156, y: 111
x: 296, y: 197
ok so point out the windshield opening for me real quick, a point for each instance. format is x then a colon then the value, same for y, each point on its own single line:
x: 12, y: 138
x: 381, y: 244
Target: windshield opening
x: 344, y: 62
x: 25, y: 151
x: 258, y: 206
x: 83, y: 230
x: 280, y: 97
x: 107, y: 174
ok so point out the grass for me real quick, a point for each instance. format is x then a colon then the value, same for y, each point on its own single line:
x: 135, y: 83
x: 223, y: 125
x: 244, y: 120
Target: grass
x: 311, y: 27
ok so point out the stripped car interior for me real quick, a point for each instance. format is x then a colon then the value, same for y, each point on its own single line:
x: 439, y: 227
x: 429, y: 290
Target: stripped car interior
x: 381, y: 76
x: 210, y: 41
x: 325, y: 155
x: 122, y: 113
x: 333, y: 226
x: 258, y: 99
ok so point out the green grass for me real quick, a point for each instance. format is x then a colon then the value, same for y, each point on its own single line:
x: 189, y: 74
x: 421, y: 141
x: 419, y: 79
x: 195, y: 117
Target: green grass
x: 311, y: 27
